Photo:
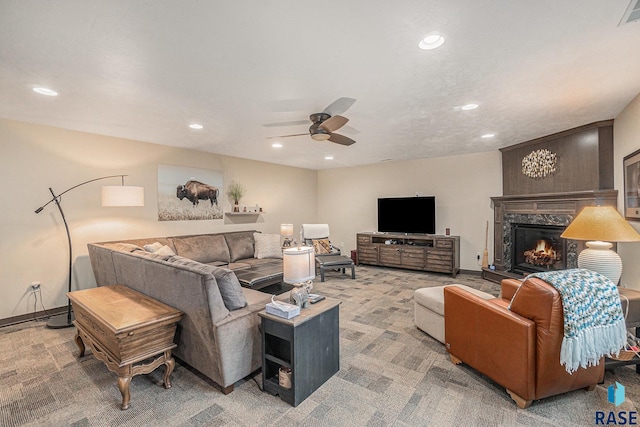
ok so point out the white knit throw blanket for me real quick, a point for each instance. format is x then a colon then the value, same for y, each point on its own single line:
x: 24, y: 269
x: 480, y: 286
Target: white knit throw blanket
x: 594, y: 325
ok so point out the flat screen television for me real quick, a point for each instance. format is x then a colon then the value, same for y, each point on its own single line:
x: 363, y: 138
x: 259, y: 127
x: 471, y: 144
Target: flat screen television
x: 407, y: 215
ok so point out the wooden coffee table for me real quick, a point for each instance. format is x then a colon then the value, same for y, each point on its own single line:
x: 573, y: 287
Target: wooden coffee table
x: 123, y: 327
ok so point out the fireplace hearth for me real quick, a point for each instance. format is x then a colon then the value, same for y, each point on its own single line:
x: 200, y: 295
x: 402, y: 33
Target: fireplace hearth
x: 537, y: 247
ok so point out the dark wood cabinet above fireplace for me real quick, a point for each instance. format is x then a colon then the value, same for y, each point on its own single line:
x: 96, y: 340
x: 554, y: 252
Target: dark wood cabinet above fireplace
x: 582, y: 161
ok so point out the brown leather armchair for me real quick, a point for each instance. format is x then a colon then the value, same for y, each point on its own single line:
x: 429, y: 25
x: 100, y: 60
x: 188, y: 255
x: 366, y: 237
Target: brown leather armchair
x: 518, y: 348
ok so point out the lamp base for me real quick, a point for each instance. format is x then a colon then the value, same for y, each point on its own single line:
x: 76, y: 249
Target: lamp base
x: 299, y: 295
x: 600, y: 258
x: 60, y: 321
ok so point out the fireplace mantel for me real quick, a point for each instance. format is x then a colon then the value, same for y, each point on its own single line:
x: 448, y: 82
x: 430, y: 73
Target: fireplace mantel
x: 550, y: 208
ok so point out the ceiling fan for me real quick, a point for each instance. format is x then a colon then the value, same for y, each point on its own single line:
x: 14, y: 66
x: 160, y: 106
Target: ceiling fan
x: 324, y: 124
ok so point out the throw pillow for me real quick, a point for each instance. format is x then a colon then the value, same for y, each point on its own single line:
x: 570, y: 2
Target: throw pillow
x: 241, y: 245
x: 267, y: 246
x: 321, y: 246
x: 152, y: 247
x: 228, y: 284
x: 159, y: 248
x: 164, y: 250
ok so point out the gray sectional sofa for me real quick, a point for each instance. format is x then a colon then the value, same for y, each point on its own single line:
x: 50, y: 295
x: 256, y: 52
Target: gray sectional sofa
x: 218, y: 334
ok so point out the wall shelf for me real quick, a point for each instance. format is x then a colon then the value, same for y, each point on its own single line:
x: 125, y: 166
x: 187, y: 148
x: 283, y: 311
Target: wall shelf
x: 243, y: 213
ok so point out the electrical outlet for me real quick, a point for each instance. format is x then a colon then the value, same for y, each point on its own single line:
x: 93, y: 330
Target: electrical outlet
x: 35, y: 286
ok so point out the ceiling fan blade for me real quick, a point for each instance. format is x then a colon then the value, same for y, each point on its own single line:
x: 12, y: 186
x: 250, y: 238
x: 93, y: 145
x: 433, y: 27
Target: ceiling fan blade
x: 341, y: 139
x: 339, y: 106
x: 333, y: 123
x: 288, y: 136
x: 292, y: 123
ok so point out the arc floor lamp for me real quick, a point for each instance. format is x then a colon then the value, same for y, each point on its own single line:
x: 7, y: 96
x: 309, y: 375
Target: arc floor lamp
x: 113, y: 195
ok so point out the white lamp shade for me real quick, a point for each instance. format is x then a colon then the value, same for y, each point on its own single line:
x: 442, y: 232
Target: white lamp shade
x: 299, y: 264
x: 122, y: 195
x: 286, y: 230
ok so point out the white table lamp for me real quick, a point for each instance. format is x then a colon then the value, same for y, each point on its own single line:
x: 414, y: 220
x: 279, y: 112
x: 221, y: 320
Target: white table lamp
x: 299, y: 269
x: 601, y: 225
x: 286, y: 231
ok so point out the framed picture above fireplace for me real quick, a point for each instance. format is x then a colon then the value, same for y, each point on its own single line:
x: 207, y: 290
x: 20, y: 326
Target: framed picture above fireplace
x: 632, y: 186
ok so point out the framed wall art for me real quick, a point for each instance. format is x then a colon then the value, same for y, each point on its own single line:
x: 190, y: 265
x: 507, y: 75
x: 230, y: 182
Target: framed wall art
x: 186, y: 193
x: 632, y: 186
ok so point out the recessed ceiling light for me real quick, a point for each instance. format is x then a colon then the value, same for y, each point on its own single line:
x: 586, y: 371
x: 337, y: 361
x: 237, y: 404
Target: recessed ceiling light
x: 432, y: 41
x: 328, y: 157
x: 276, y: 145
x: 45, y: 91
x: 196, y: 126
x: 488, y: 135
x: 469, y: 107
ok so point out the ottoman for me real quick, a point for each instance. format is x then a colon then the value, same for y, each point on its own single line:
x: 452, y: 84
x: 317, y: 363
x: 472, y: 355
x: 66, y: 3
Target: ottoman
x: 428, y: 312
x: 334, y: 261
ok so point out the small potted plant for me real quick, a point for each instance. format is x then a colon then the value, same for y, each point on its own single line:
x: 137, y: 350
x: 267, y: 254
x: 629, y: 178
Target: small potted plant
x: 235, y: 191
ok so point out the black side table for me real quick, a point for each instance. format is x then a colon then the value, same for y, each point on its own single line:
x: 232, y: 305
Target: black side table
x: 308, y: 344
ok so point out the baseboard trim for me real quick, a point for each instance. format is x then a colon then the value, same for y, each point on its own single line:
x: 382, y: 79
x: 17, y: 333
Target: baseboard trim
x: 38, y: 315
x: 472, y: 272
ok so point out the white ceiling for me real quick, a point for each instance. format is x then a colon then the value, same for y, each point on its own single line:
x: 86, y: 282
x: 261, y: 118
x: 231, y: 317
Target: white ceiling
x: 144, y: 70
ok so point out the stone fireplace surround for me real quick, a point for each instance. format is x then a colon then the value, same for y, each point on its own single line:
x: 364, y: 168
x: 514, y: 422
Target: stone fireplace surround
x: 570, y: 255
x: 545, y: 209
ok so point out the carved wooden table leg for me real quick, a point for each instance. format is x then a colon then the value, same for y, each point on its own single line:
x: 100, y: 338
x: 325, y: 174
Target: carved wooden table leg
x: 170, y: 364
x: 123, y: 385
x: 79, y: 343
x: 135, y: 344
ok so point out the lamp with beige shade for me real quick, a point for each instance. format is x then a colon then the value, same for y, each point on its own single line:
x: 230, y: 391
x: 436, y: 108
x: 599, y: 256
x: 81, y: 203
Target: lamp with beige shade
x: 600, y: 225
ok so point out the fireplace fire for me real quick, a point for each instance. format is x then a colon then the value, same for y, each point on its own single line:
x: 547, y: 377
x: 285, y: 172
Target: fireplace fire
x: 537, y: 247
x: 542, y: 255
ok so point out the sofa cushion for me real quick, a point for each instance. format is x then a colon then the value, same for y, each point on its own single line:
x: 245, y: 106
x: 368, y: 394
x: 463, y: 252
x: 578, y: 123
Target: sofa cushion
x: 123, y: 247
x: 242, y: 265
x: 267, y: 246
x: 153, y: 255
x: 255, y: 262
x: 241, y: 245
x: 228, y: 283
x: 206, y: 248
x: 433, y: 298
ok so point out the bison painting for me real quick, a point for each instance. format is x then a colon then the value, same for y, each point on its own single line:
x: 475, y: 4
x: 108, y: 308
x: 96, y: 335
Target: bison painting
x: 194, y: 191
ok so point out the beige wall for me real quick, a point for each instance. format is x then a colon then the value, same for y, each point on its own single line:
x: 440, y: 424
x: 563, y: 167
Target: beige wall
x: 626, y: 137
x: 37, y: 157
x: 462, y: 185
x: 34, y: 247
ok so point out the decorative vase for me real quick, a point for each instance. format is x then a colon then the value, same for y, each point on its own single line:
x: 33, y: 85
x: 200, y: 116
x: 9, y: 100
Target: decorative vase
x: 236, y: 208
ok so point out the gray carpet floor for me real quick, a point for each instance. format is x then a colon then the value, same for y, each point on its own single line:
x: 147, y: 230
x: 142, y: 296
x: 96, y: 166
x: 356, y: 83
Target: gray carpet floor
x: 390, y: 374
